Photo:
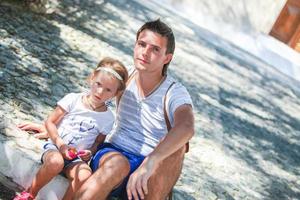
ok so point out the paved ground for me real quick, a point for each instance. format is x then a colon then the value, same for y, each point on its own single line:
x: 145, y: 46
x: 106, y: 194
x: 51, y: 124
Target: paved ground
x: 247, y: 114
x: 6, y: 193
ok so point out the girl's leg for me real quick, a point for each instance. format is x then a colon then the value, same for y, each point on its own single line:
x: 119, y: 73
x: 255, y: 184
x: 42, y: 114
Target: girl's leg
x: 53, y: 164
x: 77, y: 174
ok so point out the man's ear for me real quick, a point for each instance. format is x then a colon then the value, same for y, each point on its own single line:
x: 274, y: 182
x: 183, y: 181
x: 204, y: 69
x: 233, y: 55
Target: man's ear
x: 168, y: 58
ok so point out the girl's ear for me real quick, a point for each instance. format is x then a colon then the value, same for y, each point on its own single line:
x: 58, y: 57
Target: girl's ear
x: 91, y: 77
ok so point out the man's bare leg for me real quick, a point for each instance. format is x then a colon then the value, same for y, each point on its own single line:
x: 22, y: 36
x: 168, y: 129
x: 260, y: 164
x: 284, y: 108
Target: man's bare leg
x: 113, y: 168
x: 165, y: 177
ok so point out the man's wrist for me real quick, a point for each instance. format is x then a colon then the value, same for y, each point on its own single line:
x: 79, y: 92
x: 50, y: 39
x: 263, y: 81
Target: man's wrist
x: 154, y: 159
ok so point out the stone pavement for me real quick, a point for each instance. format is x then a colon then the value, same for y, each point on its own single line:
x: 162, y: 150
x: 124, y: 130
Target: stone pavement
x: 247, y: 114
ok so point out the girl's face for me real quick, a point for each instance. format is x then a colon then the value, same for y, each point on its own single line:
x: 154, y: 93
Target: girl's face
x: 103, y: 87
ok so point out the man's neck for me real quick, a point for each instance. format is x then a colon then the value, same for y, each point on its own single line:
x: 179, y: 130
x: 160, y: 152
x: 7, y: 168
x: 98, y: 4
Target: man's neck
x: 148, y: 83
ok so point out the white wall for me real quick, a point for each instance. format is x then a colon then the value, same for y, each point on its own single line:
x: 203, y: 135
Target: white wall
x: 245, y: 23
x: 244, y: 15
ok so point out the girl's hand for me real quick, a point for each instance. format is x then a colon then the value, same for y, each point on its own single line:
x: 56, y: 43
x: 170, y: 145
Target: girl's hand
x: 85, y: 155
x: 64, y: 150
x: 72, y: 153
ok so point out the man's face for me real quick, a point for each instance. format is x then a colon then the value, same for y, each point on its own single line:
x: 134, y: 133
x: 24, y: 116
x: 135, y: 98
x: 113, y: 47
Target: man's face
x: 150, y: 52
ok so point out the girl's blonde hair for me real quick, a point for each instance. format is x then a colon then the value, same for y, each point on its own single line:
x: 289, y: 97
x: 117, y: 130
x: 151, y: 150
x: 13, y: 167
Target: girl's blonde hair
x: 117, y: 66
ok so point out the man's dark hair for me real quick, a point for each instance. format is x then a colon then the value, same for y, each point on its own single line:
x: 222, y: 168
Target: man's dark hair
x: 164, y: 30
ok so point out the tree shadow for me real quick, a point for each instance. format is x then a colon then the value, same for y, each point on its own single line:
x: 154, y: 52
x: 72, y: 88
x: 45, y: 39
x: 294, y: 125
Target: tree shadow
x: 34, y: 61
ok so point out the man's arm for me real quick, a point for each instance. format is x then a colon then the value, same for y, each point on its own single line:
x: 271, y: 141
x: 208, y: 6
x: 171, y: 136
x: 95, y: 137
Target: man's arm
x: 178, y: 136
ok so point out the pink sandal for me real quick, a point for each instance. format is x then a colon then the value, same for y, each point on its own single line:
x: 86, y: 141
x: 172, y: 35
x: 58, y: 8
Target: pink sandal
x: 24, y: 196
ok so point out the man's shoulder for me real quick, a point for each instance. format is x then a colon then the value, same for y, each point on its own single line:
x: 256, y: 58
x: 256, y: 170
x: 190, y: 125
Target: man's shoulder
x: 176, y: 85
x: 177, y: 91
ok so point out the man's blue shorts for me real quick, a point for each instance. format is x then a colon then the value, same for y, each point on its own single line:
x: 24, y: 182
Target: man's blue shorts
x: 134, y: 162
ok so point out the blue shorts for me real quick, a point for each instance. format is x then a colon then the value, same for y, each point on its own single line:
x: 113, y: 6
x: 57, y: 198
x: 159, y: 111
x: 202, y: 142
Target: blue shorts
x: 134, y: 161
x: 50, y: 146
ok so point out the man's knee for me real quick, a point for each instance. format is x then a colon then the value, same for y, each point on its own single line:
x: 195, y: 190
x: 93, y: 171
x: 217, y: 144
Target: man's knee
x: 115, y: 164
x: 112, y: 170
x: 166, y: 176
x: 83, y: 174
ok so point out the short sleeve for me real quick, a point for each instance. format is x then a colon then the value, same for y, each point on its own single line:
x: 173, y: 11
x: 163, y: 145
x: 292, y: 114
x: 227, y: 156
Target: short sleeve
x: 108, y: 128
x: 177, y: 96
x: 68, y: 101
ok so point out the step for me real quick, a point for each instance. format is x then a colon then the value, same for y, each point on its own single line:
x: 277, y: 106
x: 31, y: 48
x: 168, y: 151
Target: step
x: 20, y: 160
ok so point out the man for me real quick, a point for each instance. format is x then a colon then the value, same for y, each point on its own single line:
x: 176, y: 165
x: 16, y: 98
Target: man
x: 141, y: 149
x: 142, y: 158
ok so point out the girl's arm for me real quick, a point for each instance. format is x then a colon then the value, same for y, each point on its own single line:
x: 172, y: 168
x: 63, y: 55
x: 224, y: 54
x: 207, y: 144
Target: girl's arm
x: 87, y: 154
x: 38, y: 130
x: 99, y: 140
x: 51, y: 125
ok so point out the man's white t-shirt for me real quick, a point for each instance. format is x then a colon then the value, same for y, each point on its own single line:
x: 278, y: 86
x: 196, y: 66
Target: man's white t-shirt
x: 140, y: 123
x: 80, y: 126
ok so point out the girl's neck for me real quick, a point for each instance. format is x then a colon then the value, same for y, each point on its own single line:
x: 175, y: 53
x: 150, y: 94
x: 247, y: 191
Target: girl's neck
x: 92, y: 106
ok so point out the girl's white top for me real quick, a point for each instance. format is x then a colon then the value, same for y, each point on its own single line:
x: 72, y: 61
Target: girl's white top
x: 80, y: 126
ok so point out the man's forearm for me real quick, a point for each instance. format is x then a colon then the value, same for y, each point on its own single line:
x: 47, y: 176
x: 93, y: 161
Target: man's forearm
x: 178, y: 136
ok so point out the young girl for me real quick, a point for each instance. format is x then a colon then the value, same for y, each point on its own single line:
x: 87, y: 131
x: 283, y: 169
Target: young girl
x: 76, y: 127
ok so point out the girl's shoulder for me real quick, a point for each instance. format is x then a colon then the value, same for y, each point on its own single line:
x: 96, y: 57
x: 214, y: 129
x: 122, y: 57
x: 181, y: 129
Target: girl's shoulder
x: 69, y: 101
x: 74, y: 95
x: 110, y: 112
x: 104, y: 118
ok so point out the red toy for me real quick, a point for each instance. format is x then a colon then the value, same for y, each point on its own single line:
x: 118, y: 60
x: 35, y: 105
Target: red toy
x: 72, y: 153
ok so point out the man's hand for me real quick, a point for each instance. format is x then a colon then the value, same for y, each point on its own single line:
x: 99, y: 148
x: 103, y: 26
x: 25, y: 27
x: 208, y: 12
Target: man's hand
x: 137, y: 186
x: 38, y: 130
